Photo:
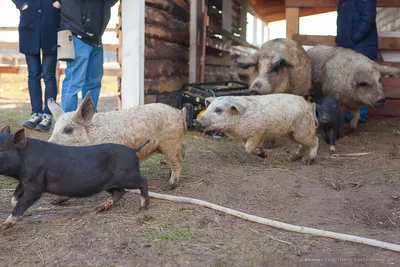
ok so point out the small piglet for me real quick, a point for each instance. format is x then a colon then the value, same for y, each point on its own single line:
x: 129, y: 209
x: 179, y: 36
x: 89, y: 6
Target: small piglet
x: 255, y: 119
x: 330, y: 119
x: 41, y: 167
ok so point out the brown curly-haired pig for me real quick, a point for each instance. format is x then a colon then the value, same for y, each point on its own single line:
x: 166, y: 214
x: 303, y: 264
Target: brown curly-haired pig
x: 163, y: 125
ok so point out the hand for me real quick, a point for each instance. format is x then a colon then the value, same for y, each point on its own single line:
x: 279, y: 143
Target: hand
x: 25, y: 6
x: 57, y: 4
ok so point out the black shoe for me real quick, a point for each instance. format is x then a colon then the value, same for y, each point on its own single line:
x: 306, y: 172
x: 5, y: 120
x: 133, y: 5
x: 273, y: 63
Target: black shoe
x: 33, y: 121
x: 45, y: 124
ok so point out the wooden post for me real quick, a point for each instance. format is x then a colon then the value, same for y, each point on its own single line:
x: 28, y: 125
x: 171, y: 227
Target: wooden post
x: 196, y: 30
x: 262, y: 32
x: 292, y: 21
x: 132, y: 83
x: 243, y: 19
x: 227, y: 25
x: 255, y: 30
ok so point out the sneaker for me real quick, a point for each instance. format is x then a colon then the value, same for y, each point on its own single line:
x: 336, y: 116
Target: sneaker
x: 45, y: 124
x: 33, y: 121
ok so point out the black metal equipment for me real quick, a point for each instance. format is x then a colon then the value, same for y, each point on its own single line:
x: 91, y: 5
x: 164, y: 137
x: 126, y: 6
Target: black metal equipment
x: 194, y: 95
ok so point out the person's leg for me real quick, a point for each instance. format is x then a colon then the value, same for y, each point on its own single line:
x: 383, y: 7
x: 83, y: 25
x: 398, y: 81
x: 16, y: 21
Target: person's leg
x: 49, y: 75
x: 75, y: 75
x: 94, y: 75
x: 35, y: 90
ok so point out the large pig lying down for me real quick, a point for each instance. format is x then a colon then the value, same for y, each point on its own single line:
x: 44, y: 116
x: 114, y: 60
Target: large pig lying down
x: 255, y: 119
x: 164, y: 125
x: 352, y: 78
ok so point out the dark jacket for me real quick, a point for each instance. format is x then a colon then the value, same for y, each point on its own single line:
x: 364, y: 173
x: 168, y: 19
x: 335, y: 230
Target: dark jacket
x: 77, y: 16
x: 356, y: 26
x: 38, y: 26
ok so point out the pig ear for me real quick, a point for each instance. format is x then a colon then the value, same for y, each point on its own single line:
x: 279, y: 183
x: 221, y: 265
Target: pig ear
x: 84, y: 113
x: 55, y: 109
x: 6, y: 129
x: 236, y: 108
x: 19, y: 139
x: 247, y: 61
x: 208, y: 101
x: 279, y: 63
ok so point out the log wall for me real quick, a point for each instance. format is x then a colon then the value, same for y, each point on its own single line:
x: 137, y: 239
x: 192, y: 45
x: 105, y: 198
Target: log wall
x: 167, y: 45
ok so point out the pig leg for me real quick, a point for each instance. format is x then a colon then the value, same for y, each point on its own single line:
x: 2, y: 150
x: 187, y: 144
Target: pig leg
x: 117, y: 194
x: 324, y: 135
x: 254, y: 146
x: 26, y: 200
x: 143, y: 186
x: 308, y: 142
x: 299, y: 153
x: 19, y: 191
x: 174, y: 155
x: 332, y: 136
x: 355, y: 115
x: 144, y: 199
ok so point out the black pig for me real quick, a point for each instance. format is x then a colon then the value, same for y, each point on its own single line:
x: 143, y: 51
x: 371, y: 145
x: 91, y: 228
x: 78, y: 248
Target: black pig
x: 330, y: 119
x: 41, y: 166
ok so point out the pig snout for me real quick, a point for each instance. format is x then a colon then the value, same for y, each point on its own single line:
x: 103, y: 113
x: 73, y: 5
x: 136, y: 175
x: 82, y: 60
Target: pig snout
x: 380, y: 102
x: 255, y: 89
x: 324, y: 119
x: 197, y: 124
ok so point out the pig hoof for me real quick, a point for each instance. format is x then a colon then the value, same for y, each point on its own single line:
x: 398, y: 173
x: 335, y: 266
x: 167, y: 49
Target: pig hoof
x: 269, y: 144
x: 142, y: 208
x: 295, y: 157
x: 105, y: 206
x: 310, y: 161
x: 7, y: 226
x: 10, y: 222
x: 332, y: 149
x: 171, y: 187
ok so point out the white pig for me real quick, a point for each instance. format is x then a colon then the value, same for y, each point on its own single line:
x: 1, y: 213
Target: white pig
x: 255, y: 119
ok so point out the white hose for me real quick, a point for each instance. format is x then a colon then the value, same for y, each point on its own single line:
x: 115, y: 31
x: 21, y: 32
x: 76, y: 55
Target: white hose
x: 276, y: 224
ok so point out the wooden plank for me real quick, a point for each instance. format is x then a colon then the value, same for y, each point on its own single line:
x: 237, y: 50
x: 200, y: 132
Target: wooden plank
x: 243, y: 20
x: 132, y: 83
x: 196, y: 30
x: 333, y: 3
x: 314, y: 40
x: 385, y: 43
x: 227, y: 27
x: 391, y: 87
x: 292, y: 21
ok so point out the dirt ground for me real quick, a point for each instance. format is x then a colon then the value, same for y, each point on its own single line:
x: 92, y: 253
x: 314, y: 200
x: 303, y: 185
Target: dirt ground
x: 356, y: 195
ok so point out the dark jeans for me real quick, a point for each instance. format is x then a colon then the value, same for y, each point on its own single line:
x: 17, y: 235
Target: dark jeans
x: 36, y: 71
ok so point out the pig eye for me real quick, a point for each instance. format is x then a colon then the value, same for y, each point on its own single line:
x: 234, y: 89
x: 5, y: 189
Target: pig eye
x: 362, y: 84
x: 218, y: 111
x: 68, y: 130
x: 380, y: 80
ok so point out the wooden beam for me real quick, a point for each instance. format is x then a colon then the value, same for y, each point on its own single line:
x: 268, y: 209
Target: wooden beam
x: 292, y: 21
x: 385, y: 43
x: 243, y: 20
x: 132, y: 83
x: 333, y: 3
x: 196, y: 30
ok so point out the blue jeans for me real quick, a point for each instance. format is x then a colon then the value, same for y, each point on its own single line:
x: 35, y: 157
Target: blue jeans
x: 82, y: 74
x: 36, y: 71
